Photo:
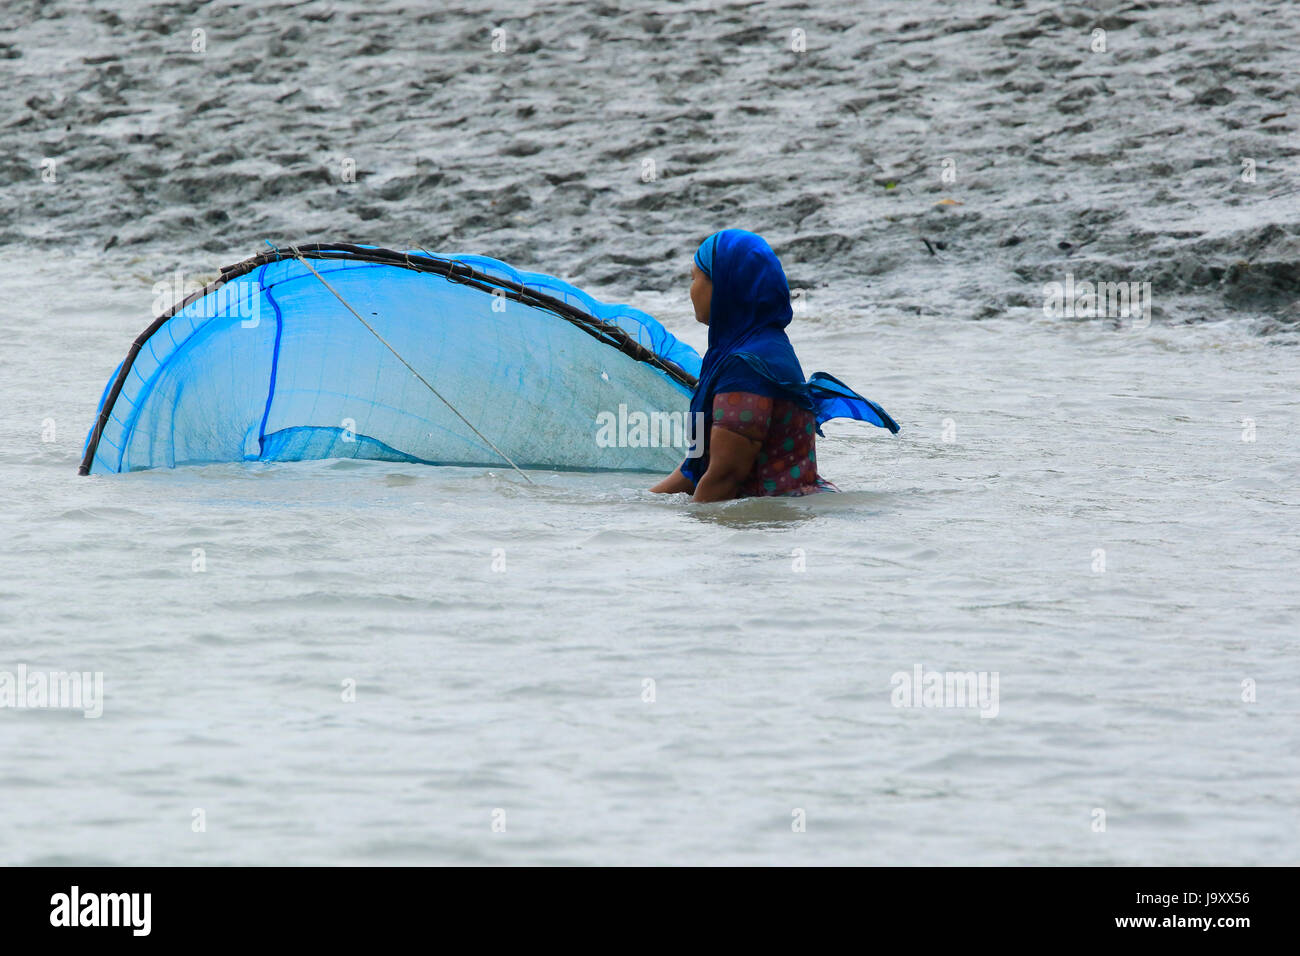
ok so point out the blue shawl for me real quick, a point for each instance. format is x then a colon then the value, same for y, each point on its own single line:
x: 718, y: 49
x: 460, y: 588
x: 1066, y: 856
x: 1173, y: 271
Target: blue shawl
x: 748, y: 348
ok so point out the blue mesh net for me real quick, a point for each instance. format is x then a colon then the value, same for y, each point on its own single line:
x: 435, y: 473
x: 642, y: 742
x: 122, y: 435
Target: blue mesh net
x: 269, y: 365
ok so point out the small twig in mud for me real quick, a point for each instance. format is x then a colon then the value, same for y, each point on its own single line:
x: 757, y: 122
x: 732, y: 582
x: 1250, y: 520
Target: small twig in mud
x: 928, y: 246
x: 1072, y: 248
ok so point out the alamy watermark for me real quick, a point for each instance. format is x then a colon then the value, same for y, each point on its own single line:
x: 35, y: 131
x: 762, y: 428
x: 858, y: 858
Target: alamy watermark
x: 53, y: 690
x: 233, y: 299
x: 1088, y: 300
x: 128, y: 910
x: 948, y: 689
x: 638, y: 429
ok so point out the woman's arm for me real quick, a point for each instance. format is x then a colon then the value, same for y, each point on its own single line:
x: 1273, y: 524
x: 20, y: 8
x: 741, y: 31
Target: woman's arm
x: 731, y: 459
x: 673, y: 484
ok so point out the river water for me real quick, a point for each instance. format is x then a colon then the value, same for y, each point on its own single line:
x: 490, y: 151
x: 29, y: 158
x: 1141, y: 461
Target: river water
x: 358, y: 662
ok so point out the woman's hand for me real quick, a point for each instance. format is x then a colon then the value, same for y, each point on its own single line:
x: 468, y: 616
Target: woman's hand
x: 731, y: 460
x: 674, y: 484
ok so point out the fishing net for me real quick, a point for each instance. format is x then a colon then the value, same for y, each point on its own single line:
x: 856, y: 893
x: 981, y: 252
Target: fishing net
x: 268, y: 364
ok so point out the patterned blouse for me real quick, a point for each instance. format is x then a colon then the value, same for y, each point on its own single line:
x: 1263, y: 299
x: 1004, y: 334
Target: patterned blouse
x: 787, y: 462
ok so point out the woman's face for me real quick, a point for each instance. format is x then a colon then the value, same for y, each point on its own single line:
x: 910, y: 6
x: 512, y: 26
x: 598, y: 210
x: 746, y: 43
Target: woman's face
x: 701, y: 294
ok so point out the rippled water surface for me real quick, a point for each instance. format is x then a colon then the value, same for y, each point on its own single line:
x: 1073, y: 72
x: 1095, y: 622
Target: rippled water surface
x: 500, y: 635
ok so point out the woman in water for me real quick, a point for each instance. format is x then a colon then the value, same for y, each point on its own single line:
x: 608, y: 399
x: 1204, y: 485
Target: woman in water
x: 761, y: 419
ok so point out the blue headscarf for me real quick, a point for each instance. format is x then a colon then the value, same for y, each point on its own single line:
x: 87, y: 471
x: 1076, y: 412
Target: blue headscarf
x: 748, y: 348
x: 704, y: 254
